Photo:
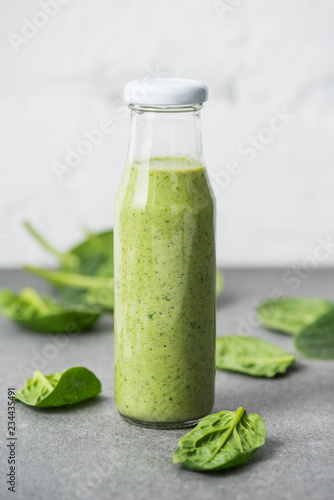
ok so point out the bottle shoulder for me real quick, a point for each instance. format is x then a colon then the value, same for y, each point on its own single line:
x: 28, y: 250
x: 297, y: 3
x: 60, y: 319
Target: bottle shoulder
x: 165, y: 183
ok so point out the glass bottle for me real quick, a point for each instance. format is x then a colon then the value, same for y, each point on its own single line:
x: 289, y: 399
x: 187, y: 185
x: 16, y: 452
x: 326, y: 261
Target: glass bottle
x: 165, y: 268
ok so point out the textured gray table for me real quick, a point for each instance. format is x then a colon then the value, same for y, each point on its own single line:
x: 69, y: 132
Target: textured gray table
x: 88, y: 451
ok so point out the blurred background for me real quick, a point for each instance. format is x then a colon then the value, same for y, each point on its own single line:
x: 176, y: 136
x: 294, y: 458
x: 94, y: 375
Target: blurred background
x: 267, y: 128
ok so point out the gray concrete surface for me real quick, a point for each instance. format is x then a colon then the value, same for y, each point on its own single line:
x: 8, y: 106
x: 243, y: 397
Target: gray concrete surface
x: 88, y: 451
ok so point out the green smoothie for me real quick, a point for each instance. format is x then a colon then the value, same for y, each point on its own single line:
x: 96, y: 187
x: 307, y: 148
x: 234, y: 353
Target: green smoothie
x: 164, y: 292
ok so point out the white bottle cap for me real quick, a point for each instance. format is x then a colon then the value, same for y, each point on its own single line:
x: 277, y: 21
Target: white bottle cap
x: 165, y: 91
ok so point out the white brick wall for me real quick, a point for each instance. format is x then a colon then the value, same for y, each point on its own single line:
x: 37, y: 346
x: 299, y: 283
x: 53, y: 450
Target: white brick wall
x: 257, y: 57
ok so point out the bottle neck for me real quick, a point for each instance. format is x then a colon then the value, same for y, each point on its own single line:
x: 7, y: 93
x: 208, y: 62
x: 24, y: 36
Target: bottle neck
x: 160, y: 132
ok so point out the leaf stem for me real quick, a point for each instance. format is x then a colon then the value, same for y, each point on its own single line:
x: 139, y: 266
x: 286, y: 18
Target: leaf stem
x: 66, y: 258
x: 236, y: 419
x: 71, y: 279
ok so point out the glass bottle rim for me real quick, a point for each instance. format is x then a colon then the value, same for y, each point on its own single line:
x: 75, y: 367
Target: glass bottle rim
x: 171, y: 108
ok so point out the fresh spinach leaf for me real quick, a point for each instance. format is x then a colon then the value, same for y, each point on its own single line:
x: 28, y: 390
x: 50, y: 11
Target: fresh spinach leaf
x: 221, y: 440
x: 93, y: 257
x: 251, y: 355
x: 291, y: 314
x: 43, y: 314
x: 59, y: 389
x: 102, y: 298
x: 96, y: 254
x: 90, y: 291
x: 316, y: 341
x: 64, y: 278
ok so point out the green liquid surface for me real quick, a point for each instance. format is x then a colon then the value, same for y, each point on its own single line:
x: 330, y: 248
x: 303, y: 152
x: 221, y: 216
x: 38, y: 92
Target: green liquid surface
x: 164, y: 292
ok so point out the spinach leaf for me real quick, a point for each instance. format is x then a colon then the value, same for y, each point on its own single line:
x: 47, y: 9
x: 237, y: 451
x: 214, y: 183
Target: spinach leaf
x: 93, y: 257
x: 59, y: 389
x: 43, y: 314
x: 96, y: 254
x: 317, y: 340
x: 291, y: 314
x: 90, y: 291
x: 251, y: 355
x: 103, y: 298
x: 220, y: 441
x: 74, y: 280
